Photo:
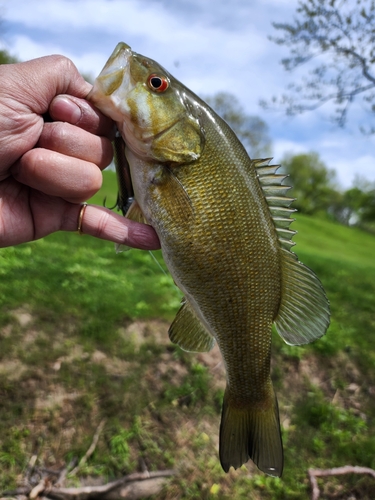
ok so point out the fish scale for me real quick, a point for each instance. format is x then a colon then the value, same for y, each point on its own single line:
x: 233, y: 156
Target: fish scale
x: 223, y: 223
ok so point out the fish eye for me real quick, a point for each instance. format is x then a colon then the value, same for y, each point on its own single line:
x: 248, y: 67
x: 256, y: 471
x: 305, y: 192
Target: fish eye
x: 158, y: 83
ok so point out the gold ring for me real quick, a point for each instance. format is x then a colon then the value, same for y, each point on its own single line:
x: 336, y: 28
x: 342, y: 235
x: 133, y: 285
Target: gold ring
x: 80, y: 218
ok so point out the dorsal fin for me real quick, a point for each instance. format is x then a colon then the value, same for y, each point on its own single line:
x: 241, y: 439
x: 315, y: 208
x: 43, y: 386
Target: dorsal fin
x: 275, y: 194
x: 303, y: 314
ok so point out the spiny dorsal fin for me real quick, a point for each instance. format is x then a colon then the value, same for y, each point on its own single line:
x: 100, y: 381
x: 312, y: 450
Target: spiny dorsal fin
x: 303, y: 314
x: 260, y: 163
x: 275, y: 194
x: 282, y: 211
x: 273, y: 180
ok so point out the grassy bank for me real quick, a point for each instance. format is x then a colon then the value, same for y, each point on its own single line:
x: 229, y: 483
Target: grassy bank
x: 84, y: 338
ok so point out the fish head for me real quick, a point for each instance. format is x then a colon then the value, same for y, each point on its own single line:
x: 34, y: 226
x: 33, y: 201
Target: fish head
x: 151, y: 108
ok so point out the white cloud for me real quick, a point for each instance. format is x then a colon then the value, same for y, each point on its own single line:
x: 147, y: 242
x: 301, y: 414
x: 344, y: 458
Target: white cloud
x: 347, y: 157
x: 346, y: 170
x: 281, y: 148
x: 211, y: 57
x: 25, y: 48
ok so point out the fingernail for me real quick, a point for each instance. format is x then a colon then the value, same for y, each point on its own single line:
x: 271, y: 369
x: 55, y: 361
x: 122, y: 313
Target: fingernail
x: 65, y: 109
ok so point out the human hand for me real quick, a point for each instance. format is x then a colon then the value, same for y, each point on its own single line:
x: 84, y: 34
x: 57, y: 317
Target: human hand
x: 48, y: 168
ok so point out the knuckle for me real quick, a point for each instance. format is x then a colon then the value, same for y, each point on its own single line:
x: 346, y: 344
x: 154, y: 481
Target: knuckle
x: 92, y: 181
x: 102, y: 224
x: 63, y: 65
x: 30, y: 163
x: 53, y: 134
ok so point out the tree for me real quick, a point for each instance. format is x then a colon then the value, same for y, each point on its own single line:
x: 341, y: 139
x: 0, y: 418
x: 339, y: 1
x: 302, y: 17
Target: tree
x: 337, y: 39
x: 356, y: 207
x: 360, y: 201
x: 251, y: 130
x: 315, y: 192
x: 313, y: 183
x: 6, y: 58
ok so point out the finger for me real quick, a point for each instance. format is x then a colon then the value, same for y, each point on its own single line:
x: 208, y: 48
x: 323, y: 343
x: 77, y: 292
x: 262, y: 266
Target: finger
x: 81, y: 113
x: 16, y: 222
x: 51, y: 76
x: 56, y: 174
x: 36, y: 215
x: 72, y: 141
x: 105, y: 224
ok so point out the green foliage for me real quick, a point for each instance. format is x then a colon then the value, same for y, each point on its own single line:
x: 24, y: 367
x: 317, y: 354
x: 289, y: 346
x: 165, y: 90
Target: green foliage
x: 334, y: 431
x: 251, y: 130
x: 6, y: 58
x: 315, y: 192
x: 119, y: 447
x: 362, y: 198
x: 336, y: 39
x: 357, y: 205
x: 193, y: 389
x: 312, y: 182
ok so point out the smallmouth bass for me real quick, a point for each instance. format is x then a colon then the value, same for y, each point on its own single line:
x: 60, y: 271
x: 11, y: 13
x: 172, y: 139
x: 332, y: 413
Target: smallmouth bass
x: 223, y: 223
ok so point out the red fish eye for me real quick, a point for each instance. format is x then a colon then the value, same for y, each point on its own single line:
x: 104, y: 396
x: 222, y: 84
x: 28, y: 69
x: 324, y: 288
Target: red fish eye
x: 158, y: 83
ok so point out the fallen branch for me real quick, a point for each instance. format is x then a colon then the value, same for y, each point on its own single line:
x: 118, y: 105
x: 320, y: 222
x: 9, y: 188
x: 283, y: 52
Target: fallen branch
x: 336, y: 471
x: 38, y: 489
x: 116, y: 489
x: 132, y: 487
x: 91, y: 450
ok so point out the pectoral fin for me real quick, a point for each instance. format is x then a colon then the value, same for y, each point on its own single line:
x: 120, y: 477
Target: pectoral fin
x: 172, y: 194
x: 135, y: 213
x: 188, y: 332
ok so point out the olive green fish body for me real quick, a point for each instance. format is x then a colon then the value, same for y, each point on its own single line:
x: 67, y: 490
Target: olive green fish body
x: 223, y: 223
x: 223, y: 253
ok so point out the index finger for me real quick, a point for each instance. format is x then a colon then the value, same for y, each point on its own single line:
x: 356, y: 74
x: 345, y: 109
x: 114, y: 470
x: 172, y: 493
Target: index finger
x: 79, y: 112
x: 101, y: 222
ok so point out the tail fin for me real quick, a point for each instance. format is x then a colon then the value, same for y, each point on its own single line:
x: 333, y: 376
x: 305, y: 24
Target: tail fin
x: 251, y: 433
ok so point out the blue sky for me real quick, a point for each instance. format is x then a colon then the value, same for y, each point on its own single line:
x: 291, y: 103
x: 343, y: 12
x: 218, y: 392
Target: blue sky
x: 209, y: 46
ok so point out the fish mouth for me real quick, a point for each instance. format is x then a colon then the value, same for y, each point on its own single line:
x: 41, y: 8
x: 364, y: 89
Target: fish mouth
x: 111, y: 78
x: 117, y: 63
x: 120, y: 50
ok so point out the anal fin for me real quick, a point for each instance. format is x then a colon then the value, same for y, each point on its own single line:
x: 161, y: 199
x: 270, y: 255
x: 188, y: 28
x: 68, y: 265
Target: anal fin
x: 188, y: 332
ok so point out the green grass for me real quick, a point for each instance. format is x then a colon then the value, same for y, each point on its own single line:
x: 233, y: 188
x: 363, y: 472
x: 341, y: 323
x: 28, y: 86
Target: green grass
x: 94, y: 346
x: 332, y: 241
